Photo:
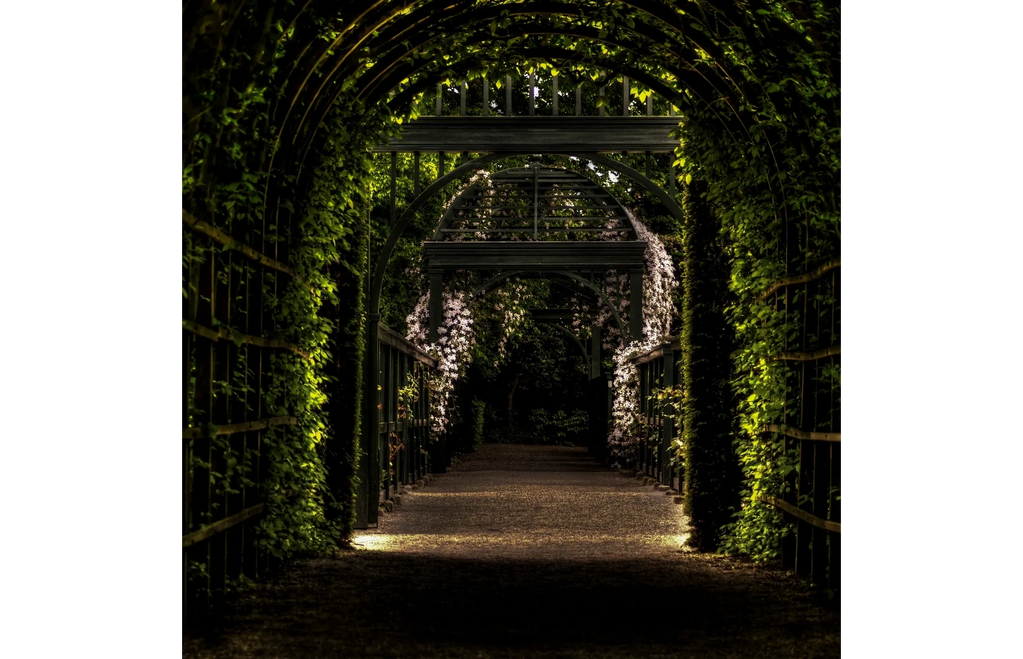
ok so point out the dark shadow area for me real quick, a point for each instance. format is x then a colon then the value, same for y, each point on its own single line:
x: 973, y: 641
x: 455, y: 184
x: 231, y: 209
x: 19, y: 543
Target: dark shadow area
x: 380, y: 604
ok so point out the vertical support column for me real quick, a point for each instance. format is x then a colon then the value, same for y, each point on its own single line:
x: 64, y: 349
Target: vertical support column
x: 436, y: 305
x: 366, y: 508
x: 394, y: 187
x: 601, y: 92
x: 201, y: 499
x: 821, y: 475
x: 834, y: 424
x: 636, y: 304
x: 668, y: 430
x: 578, y: 99
x: 554, y: 95
x: 378, y: 477
x: 404, y: 431
x: 507, y: 96
x: 440, y: 103
x: 415, y: 174
x: 386, y: 415
x: 597, y: 391
x: 391, y: 464
x: 486, y: 97
x: 536, y: 199
x: 610, y: 406
x: 643, y: 450
x: 671, y: 161
x: 649, y: 105
x: 461, y: 98
x: 625, y: 96
x: 532, y: 98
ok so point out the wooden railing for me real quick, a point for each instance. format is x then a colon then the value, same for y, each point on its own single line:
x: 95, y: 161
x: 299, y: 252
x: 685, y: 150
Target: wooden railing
x: 657, y: 370
x: 812, y: 495
x: 227, y: 333
x: 406, y: 453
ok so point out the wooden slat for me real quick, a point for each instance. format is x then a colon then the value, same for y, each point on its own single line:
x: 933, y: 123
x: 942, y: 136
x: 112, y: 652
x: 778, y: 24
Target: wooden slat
x: 494, y: 230
x: 647, y: 421
x: 799, y: 279
x: 224, y: 524
x: 223, y: 333
x: 224, y: 239
x: 802, y: 514
x: 547, y: 207
x: 802, y: 434
x: 806, y: 356
x: 389, y: 337
x: 536, y: 256
x: 536, y: 134
x: 230, y: 429
x: 655, y: 352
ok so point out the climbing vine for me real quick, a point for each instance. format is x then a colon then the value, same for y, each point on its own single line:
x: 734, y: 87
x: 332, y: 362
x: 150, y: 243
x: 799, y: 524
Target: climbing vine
x: 283, y: 102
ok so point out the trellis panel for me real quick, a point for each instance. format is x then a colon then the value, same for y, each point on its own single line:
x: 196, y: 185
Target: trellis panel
x: 536, y: 134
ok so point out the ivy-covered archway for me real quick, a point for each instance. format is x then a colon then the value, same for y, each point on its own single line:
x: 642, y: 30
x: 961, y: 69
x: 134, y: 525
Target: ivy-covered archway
x: 282, y: 106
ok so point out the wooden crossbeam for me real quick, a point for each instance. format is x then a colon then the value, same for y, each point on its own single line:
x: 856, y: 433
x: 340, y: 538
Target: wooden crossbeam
x: 562, y: 134
x: 589, y: 256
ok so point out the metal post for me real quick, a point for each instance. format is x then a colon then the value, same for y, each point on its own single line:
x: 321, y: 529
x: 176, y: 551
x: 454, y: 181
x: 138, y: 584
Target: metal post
x: 554, y: 94
x: 486, y: 98
x: 507, y: 96
x: 536, y: 199
x: 610, y: 401
x: 601, y: 92
x: 532, y: 99
x: 462, y: 94
x: 625, y: 96
x: 668, y: 430
x: 394, y: 183
x: 440, y: 109
x: 578, y: 99
x: 415, y: 175
x: 366, y: 508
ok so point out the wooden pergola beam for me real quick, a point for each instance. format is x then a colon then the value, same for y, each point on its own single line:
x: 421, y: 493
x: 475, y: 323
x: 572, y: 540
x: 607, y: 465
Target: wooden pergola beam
x: 536, y: 134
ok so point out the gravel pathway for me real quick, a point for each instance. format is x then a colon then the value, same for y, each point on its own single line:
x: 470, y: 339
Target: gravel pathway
x: 527, y: 551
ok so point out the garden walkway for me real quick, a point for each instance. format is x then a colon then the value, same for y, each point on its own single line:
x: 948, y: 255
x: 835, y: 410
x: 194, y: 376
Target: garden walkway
x: 525, y: 551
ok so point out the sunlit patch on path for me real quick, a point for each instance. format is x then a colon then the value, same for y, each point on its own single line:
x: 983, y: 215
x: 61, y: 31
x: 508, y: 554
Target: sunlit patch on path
x: 528, y: 552
x: 566, y: 506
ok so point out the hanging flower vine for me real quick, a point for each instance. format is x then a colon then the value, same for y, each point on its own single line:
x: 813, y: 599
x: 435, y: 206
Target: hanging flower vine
x: 659, y: 284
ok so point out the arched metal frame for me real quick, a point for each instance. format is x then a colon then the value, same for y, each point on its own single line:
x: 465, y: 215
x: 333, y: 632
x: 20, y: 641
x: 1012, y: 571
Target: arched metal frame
x: 379, y: 271
x: 582, y: 349
x: 507, y: 177
x: 559, y: 273
x: 370, y: 411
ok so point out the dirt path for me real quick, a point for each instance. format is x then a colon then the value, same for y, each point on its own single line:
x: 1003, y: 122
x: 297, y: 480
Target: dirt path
x: 525, y: 551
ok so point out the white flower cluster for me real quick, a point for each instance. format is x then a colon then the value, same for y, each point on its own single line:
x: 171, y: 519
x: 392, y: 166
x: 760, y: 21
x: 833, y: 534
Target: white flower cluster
x: 510, y: 304
x: 659, y: 283
x: 452, y: 350
x: 456, y: 335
